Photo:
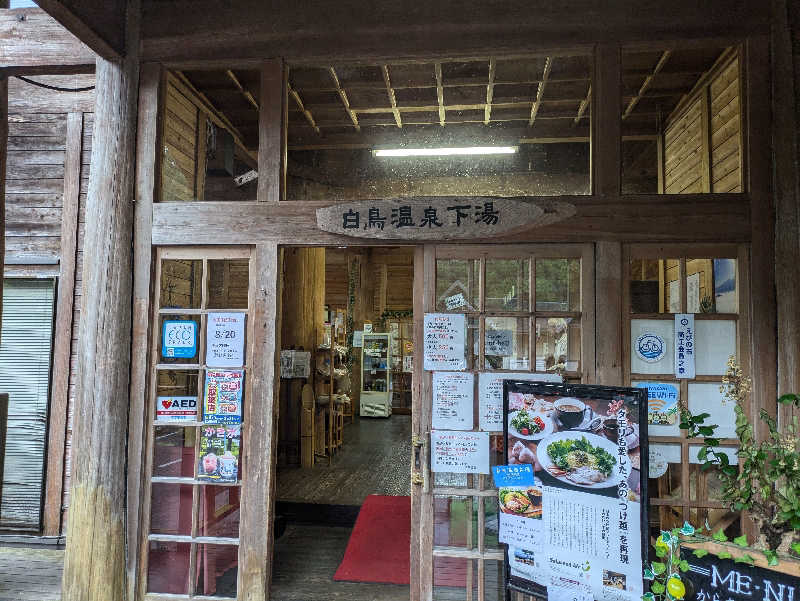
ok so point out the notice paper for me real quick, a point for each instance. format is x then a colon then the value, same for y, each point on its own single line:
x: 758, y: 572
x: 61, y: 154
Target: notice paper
x: 223, y: 396
x: 490, y: 395
x: 684, y: 346
x: 460, y: 452
x: 452, y: 400
x: 498, y: 343
x: 225, y: 340
x: 444, y: 338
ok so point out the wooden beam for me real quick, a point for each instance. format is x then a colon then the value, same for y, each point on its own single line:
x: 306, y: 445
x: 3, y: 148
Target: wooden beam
x: 82, y: 69
x: 606, y: 123
x: 343, y: 97
x: 27, y: 98
x: 644, y: 217
x: 306, y: 113
x: 272, y: 132
x: 62, y: 340
x: 392, y: 100
x: 256, y: 532
x: 94, y: 562
x: 487, y: 112
x: 440, y: 93
x: 3, y: 166
x: 30, y: 38
x: 149, y: 124
x: 548, y: 66
x: 583, y: 106
x: 100, y: 27
x: 648, y: 81
x: 248, y: 96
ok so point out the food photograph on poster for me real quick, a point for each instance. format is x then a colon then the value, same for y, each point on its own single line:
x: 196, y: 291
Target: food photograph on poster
x: 586, y: 452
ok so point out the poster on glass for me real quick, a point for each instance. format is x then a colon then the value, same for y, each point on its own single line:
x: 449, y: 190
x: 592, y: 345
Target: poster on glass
x: 587, y: 452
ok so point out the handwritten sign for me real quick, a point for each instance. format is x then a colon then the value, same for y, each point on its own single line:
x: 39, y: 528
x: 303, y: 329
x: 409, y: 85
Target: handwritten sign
x: 490, y: 395
x: 437, y: 218
x: 176, y: 408
x: 179, y: 338
x: 454, y: 302
x: 460, y: 452
x: 684, y: 346
x: 444, y: 336
x: 225, y: 340
x: 498, y: 342
x: 662, y: 402
x: 452, y: 400
x: 223, y: 396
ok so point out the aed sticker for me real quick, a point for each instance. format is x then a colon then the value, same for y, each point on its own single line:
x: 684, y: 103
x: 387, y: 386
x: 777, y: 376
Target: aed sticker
x: 176, y: 409
x: 658, y: 464
x: 650, y: 347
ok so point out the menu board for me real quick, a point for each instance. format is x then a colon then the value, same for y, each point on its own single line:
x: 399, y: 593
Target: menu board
x: 490, y: 395
x: 444, y: 342
x: 223, y: 396
x: 225, y: 340
x: 579, y: 530
x: 452, y: 400
x: 459, y: 452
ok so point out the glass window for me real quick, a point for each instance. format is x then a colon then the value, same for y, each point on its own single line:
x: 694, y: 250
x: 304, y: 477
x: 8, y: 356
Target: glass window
x: 655, y: 286
x: 558, y: 284
x: 507, y: 284
x: 457, y: 285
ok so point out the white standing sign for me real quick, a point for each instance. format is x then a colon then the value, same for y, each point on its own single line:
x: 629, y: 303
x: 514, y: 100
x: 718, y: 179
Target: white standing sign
x: 452, y: 400
x: 225, y: 340
x: 460, y: 452
x: 444, y: 347
x: 685, y: 346
x: 490, y: 395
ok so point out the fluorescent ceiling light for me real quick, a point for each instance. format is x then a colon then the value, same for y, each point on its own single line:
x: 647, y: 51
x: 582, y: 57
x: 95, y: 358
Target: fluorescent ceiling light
x: 435, y: 152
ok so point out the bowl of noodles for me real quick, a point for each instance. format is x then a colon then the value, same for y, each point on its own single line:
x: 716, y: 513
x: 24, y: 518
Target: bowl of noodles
x: 580, y: 459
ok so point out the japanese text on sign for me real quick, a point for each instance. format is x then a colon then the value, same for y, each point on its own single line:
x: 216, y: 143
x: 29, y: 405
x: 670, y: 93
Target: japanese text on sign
x: 460, y: 452
x: 452, y: 400
x: 684, y: 346
x: 223, y: 397
x: 405, y: 216
x: 490, y: 395
x: 179, y: 338
x: 444, y: 342
x: 225, y: 340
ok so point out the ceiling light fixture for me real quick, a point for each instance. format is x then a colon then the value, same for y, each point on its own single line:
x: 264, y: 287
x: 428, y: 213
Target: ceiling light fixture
x: 431, y: 152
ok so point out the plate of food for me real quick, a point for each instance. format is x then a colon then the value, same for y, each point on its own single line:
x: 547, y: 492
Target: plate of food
x: 517, y: 502
x: 580, y: 458
x: 528, y: 425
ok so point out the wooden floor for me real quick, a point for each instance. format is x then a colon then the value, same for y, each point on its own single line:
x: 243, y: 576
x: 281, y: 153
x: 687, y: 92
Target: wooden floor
x: 30, y: 574
x: 374, y: 459
x: 306, y: 558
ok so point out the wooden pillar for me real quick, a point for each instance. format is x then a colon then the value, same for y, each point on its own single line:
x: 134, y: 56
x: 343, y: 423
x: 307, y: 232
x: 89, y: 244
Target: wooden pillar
x: 272, y: 120
x: 608, y: 309
x: 303, y: 297
x: 94, y: 563
x: 3, y: 159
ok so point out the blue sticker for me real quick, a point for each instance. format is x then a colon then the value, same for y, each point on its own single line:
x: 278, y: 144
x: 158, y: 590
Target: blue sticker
x: 662, y: 402
x: 650, y: 347
x: 513, y: 475
x: 179, y: 339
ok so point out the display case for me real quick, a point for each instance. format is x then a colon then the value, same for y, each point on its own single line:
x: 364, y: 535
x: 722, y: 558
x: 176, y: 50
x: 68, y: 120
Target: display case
x: 401, y: 331
x: 376, y: 379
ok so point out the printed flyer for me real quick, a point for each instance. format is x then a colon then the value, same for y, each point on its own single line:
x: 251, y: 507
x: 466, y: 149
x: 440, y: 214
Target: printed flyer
x: 223, y: 396
x: 219, y: 453
x: 585, y: 451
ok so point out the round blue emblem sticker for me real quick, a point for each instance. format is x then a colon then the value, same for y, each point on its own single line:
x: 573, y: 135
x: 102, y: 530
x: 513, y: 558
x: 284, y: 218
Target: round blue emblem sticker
x: 650, y: 347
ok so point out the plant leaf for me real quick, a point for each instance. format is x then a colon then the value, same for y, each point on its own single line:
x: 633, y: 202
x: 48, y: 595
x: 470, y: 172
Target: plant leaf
x: 658, y: 567
x: 648, y: 597
x: 683, y: 566
x: 720, y: 536
x: 657, y: 588
x: 700, y: 553
x: 648, y: 574
x: 741, y: 540
x: 772, y: 557
x: 744, y: 559
x: 724, y: 555
x: 796, y: 548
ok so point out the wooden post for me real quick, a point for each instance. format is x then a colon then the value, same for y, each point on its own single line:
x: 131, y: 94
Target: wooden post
x: 608, y: 309
x: 94, y: 563
x: 606, y: 140
x: 3, y: 159
x: 272, y: 117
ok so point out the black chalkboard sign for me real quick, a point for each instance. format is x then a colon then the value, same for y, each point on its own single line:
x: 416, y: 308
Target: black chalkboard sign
x: 714, y: 579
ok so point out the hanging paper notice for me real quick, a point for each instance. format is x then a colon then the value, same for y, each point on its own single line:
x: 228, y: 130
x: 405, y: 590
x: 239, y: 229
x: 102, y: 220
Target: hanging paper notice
x: 444, y: 347
x: 225, y: 340
x: 223, y: 397
x: 454, y: 302
x: 452, y: 400
x: 179, y: 338
x: 490, y: 395
x: 358, y: 338
x: 498, y: 343
x: 684, y: 346
x: 176, y: 409
x: 693, y: 293
x: 662, y: 402
x: 219, y: 453
x: 460, y: 452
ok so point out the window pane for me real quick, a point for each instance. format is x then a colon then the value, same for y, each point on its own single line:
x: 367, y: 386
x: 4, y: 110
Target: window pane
x: 493, y: 578
x: 181, y: 283
x: 558, y: 285
x: 507, y: 284
x: 707, y: 398
x: 665, y: 471
x: 506, y: 343
x: 179, y: 339
x: 711, y: 286
x: 450, y: 577
x: 171, y: 509
x: 173, y: 451
x: 558, y: 344
x: 491, y: 523
x: 217, y: 570
x: 654, y: 286
x: 651, y: 346
x: 228, y: 280
x: 219, y: 511
x: 715, y: 344
x: 452, y: 517
x: 457, y: 285
x: 168, y: 567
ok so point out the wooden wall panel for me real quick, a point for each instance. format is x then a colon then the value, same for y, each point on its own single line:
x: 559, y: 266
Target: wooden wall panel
x: 178, y: 164
x: 726, y: 130
x: 683, y: 163
x: 336, y: 279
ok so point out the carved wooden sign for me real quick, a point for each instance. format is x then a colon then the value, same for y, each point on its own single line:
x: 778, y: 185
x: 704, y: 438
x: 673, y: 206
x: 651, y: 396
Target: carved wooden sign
x: 440, y: 218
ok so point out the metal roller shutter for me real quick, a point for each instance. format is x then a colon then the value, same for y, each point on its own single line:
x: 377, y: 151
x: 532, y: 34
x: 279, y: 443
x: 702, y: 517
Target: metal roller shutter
x: 25, y: 359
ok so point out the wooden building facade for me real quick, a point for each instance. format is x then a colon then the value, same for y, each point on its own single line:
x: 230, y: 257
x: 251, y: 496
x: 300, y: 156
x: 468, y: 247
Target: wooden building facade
x: 684, y: 167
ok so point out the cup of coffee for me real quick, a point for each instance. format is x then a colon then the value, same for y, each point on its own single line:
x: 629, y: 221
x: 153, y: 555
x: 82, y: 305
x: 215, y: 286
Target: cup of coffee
x: 570, y: 411
x: 611, y: 429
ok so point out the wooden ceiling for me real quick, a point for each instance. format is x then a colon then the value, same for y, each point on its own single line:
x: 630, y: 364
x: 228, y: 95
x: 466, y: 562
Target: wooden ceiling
x: 520, y: 99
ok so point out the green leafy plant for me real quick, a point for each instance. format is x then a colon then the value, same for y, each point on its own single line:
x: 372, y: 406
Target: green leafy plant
x: 766, y: 483
x: 664, y: 575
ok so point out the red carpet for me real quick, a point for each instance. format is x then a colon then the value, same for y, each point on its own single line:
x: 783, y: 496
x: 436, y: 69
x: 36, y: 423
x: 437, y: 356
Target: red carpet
x: 378, y: 549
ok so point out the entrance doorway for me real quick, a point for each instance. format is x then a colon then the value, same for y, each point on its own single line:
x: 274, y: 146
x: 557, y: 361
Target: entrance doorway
x: 342, y: 500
